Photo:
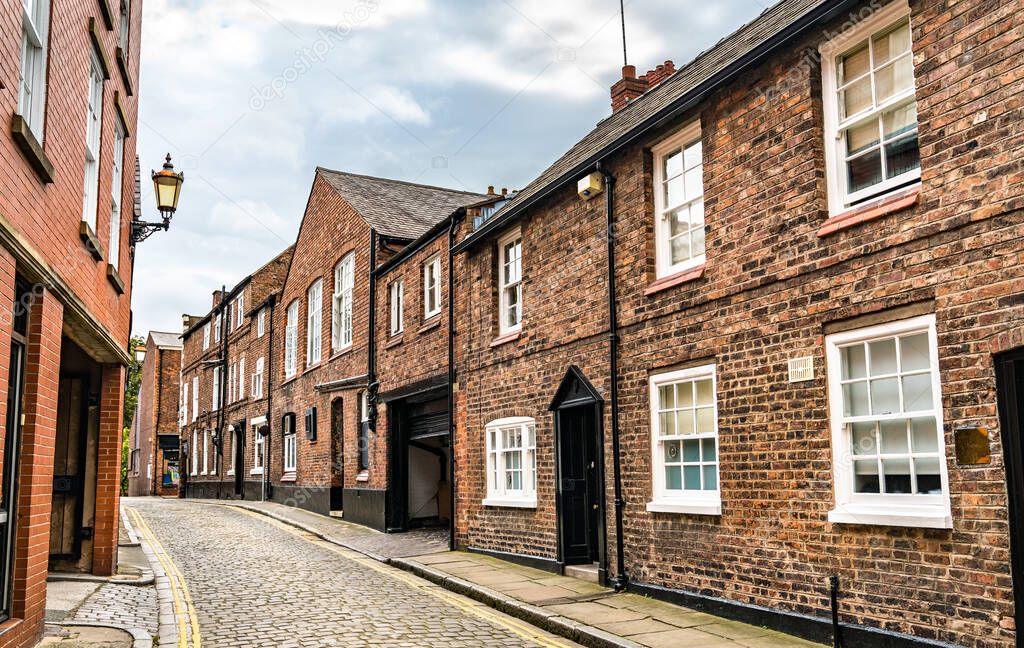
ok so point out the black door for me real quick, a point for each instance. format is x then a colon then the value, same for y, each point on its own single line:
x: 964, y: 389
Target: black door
x: 578, y: 484
x: 1010, y: 393
x: 238, y: 447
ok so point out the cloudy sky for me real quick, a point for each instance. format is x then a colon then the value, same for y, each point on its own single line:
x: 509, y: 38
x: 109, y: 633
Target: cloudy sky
x: 249, y: 96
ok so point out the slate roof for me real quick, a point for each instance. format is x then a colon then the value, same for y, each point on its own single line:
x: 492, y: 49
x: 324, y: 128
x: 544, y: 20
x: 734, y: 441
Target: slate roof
x: 164, y: 340
x: 396, y: 208
x: 654, y: 107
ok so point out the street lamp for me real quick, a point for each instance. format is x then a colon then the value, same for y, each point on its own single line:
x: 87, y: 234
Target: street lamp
x: 167, y: 187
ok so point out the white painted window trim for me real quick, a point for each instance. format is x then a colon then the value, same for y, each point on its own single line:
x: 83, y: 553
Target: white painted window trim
x: 240, y: 310
x: 341, y: 304
x: 291, y: 339
x: 921, y: 511
x: 684, y: 138
x: 397, y: 306
x: 689, y: 502
x: 257, y: 379
x: 258, y: 443
x: 116, y: 194
x: 504, y: 327
x: 497, y: 495
x: 32, y: 83
x: 240, y: 378
x: 93, y: 140
x: 432, y: 290
x: 314, y: 328
x: 122, y: 34
x: 839, y: 200
x: 289, y: 447
x: 195, y: 454
x: 195, y: 398
x: 206, y: 336
x: 183, y: 418
x: 206, y: 452
x: 216, y: 327
x: 261, y: 322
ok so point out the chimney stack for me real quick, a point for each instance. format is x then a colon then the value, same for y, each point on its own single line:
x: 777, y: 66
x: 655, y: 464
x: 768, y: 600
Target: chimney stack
x: 629, y: 87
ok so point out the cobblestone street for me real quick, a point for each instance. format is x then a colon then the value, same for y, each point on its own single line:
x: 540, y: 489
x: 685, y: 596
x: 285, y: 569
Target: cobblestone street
x: 256, y: 582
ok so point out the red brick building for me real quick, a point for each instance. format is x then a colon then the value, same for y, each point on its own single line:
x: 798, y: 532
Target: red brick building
x: 225, y: 391
x: 67, y: 168
x: 154, y: 457
x: 328, y: 451
x: 763, y: 326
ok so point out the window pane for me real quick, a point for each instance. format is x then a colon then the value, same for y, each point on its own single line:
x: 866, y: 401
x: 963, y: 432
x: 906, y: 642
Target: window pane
x: 684, y: 391
x: 673, y: 478
x: 674, y: 164
x: 863, y: 438
x: 897, y: 475
x: 885, y: 396
x: 667, y: 423
x: 705, y: 393
x: 855, y: 98
x: 883, y: 357
x: 924, y: 435
x: 694, y: 183
x: 917, y: 392
x: 671, y: 452
x: 697, y: 213
x: 900, y: 120
x: 710, y: 478
x: 679, y: 221
x: 675, y: 192
x: 929, y: 478
x: 680, y: 249
x: 894, y: 437
x: 697, y: 242
x: 914, y: 353
x: 691, y: 450
x: 684, y: 422
x: 854, y: 64
x: 691, y: 477
x: 667, y: 397
x: 890, y: 45
x: 855, y: 399
x: 860, y: 138
x: 894, y: 78
x: 902, y: 157
x: 705, y: 420
x: 694, y: 155
x: 708, y: 450
x: 865, y: 476
x: 865, y: 171
x: 854, y: 363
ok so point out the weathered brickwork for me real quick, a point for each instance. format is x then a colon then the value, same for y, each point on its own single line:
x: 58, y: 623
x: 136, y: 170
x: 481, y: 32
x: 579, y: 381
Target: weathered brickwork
x: 770, y: 289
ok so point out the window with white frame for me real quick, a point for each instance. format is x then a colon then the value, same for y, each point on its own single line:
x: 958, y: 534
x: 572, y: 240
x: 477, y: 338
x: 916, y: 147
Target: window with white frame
x: 341, y: 304
x: 195, y: 397
x: 216, y: 328
x: 397, y: 290
x: 231, y: 381
x: 116, y: 193
x: 679, y: 201
x: 288, y: 446
x: 195, y: 453
x: 206, y: 452
x: 257, y: 379
x: 93, y: 128
x: 215, y: 396
x: 122, y: 34
x: 511, y: 463
x: 35, y: 30
x: 183, y: 418
x: 291, y: 338
x: 314, y: 309
x: 363, y: 438
x: 241, y: 378
x: 206, y: 336
x: 432, y: 288
x: 233, y: 435
x: 510, y: 272
x: 684, y: 442
x: 871, y: 134
x: 885, y: 407
x: 239, y: 310
x: 258, y: 443
x: 261, y: 322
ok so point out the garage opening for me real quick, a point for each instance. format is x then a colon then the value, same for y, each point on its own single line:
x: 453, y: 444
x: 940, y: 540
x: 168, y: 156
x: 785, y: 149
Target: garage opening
x: 420, y: 450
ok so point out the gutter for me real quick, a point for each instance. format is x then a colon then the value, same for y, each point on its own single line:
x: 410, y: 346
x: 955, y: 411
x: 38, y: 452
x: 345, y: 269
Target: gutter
x: 674, y: 109
x: 423, y: 241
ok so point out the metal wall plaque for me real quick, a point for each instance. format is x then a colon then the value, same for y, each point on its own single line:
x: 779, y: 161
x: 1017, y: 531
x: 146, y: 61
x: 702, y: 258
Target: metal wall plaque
x: 801, y: 369
x: 972, y: 446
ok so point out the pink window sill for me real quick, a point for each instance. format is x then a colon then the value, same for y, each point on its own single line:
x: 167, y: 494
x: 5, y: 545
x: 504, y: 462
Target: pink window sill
x: 674, y: 280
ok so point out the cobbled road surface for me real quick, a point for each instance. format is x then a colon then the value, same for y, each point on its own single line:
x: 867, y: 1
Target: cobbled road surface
x: 256, y: 583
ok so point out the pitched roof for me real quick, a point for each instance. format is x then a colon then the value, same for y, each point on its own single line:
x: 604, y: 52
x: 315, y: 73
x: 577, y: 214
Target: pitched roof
x: 164, y: 340
x: 661, y: 103
x: 396, y: 208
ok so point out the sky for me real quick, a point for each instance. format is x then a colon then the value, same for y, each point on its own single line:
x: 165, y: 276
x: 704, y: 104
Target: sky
x: 250, y: 96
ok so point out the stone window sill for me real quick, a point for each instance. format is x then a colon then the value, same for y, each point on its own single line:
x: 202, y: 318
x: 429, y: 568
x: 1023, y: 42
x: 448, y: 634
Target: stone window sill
x: 31, y: 148
x: 506, y: 338
x: 288, y: 477
x: 256, y: 471
x: 430, y: 324
x: 502, y: 502
x: 341, y: 352
x: 709, y: 507
x: 115, y: 279
x: 363, y: 476
x: 393, y: 342
x: 122, y: 65
x: 90, y: 240
x: 918, y: 517
x: 675, y: 280
x: 871, y: 211
x: 108, y: 17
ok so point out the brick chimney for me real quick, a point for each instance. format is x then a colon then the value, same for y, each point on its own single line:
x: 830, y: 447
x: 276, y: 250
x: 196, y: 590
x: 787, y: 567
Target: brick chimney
x: 629, y: 87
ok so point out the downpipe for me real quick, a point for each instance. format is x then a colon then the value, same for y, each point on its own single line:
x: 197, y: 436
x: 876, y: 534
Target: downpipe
x: 453, y: 226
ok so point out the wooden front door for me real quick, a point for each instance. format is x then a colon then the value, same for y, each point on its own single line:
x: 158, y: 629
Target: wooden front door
x: 69, y: 468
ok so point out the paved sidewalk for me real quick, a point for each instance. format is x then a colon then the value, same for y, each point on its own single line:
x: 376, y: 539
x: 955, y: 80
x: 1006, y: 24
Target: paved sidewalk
x: 579, y: 610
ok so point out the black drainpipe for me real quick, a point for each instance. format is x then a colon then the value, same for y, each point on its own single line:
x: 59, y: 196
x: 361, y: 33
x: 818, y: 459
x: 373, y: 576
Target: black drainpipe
x: 620, y: 581
x: 371, y: 344
x: 456, y: 219
x: 270, y: 397
x: 218, y: 445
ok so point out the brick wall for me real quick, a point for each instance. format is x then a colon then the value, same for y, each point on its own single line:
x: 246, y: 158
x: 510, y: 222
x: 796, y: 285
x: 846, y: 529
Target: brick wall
x: 770, y: 287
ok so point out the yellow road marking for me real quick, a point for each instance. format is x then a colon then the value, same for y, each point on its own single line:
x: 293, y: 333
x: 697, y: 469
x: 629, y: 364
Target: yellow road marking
x: 177, y: 582
x: 514, y: 626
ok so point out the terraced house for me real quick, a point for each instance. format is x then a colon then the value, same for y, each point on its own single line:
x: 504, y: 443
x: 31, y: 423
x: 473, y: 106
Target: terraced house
x: 756, y: 340
x: 225, y: 395
x: 68, y: 196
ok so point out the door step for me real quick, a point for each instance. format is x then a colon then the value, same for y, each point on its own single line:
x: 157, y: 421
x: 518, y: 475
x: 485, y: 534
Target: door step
x: 337, y: 514
x: 583, y: 572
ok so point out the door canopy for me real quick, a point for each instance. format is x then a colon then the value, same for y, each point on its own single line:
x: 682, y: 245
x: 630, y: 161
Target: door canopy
x: 575, y: 390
